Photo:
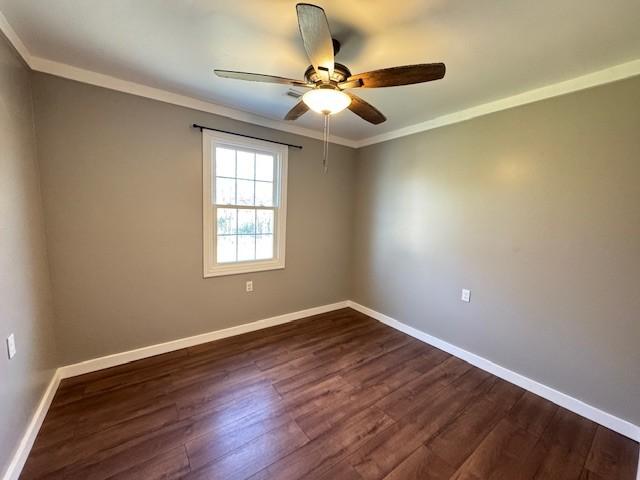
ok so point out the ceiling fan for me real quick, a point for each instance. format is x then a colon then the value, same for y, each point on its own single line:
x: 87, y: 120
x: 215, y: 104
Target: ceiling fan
x: 329, y: 80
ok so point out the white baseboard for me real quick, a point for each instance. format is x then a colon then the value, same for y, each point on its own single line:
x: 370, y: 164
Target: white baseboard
x: 603, y: 418
x: 20, y: 457
x: 577, y: 406
x: 150, y: 351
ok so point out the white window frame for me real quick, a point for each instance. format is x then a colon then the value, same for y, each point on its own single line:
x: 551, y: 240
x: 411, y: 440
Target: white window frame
x: 210, y: 140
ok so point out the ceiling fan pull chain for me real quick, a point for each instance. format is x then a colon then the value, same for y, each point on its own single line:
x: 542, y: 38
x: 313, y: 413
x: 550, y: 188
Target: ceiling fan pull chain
x: 325, y: 152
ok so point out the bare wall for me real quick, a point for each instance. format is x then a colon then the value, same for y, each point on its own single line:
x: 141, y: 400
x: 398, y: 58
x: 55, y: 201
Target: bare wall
x: 536, y: 210
x: 122, y: 185
x: 25, y: 296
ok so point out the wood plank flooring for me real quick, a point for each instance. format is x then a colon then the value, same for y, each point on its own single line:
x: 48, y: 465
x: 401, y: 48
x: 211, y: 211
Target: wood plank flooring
x: 335, y: 396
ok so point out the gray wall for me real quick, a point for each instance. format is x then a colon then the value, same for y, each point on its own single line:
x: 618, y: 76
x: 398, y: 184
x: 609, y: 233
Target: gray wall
x: 25, y: 295
x: 537, y: 211
x: 122, y: 187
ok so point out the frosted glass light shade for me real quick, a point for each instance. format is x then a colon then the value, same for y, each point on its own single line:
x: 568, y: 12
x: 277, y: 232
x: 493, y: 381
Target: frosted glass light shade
x: 326, y: 100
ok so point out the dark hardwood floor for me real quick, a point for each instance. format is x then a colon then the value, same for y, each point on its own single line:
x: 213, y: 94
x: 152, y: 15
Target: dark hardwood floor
x: 335, y: 396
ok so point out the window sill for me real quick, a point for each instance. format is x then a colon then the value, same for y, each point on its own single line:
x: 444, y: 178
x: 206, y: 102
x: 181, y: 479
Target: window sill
x: 248, y: 267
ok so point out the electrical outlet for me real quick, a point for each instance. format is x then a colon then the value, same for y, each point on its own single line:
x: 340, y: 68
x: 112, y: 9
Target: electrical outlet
x: 11, y: 346
x: 249, y: 286
x: 466, y: 295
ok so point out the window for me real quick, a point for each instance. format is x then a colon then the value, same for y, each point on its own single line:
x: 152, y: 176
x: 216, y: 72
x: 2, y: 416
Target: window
x: 244, y: 194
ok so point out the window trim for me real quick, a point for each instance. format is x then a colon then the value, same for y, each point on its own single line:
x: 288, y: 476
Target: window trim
x: 209, y: 234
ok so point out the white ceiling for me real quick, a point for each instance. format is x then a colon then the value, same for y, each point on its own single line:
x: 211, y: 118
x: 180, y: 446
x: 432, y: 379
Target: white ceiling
x: 492, y: 48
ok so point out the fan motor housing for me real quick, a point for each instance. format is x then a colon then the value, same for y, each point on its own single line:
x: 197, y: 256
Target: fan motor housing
x: 340, y: 74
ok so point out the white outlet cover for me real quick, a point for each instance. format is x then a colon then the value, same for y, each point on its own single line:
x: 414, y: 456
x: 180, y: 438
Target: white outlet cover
x: 249, y: 286
x: 11, y: 346
x: 466, y: 295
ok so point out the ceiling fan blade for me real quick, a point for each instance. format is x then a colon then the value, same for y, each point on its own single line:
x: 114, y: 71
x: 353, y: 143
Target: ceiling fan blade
x: 394, y: 76
x: 258, y: 77
x: 297, y: 111
x: 316, y: 36
x: 365, y: 110
x: 357, y: 83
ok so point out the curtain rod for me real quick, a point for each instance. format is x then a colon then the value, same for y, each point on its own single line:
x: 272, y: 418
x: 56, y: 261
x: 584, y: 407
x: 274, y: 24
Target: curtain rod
x: 202, y: 127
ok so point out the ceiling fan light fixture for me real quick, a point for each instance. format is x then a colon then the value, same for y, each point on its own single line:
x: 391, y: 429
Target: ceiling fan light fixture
x: 327, y: 101
x: 328, y: 79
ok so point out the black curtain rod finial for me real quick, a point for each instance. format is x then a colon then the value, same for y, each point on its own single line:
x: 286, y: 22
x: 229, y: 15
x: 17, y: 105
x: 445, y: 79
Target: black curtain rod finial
x: 202, y: 127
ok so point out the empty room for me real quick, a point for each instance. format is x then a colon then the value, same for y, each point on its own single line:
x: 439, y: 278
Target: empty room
x: 366, y: 240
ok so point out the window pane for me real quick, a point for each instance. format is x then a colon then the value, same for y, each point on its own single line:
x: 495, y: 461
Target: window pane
x: 246, y: 222
x: 225, y: 191
x: 226, y: 221
x: 225, y: 162
x: 264, y: 167
x: 246, y: 247
x: 264, y: 247
x: 245, y: 192
x: 264, y: 221
x: 245, y: 164
x: 264, y: 194
x: 226, y: 248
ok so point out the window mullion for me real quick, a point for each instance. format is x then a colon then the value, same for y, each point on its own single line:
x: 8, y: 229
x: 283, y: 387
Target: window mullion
x: 247, y: 207
x: 255, y: 213
x: 235, y: 152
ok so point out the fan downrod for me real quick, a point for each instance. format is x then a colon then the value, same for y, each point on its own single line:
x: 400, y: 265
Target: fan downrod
x: 336, y: 46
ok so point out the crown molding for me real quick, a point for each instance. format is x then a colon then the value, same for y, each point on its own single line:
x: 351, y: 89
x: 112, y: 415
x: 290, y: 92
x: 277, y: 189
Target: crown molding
x: 107, y: 81
x: 601, y: 77
x: 14, y: 39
